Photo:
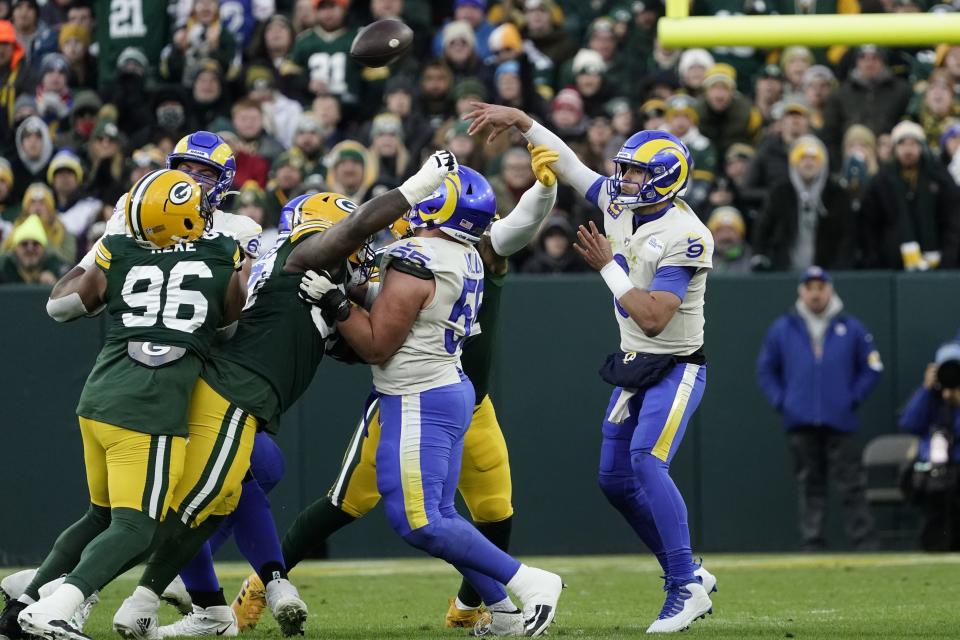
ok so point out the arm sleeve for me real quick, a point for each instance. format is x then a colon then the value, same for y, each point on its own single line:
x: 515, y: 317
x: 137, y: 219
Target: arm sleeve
x: 568, y: 167
x: 673, y: 279
x: 515, y: 231
x: 769, y: 369
x: 920, y: 412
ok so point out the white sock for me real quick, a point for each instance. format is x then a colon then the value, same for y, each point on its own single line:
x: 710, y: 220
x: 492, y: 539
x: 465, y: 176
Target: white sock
x: 25, y: 599
x: 142, y: 593
x: 63, y: 602
x: 458, y: 603
x: 504, y: 606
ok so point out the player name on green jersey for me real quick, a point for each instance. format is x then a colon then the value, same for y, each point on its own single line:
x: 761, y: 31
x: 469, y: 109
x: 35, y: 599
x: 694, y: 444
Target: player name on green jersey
x: 165, y: 307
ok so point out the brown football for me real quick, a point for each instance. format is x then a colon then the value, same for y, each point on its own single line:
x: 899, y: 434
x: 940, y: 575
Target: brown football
x: 382, y: 42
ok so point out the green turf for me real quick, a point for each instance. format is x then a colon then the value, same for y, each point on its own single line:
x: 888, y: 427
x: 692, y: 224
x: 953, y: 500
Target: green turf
x: 761, y: 596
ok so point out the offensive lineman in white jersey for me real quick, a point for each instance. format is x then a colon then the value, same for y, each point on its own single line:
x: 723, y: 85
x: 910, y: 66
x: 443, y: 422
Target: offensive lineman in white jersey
x: 431, y: 289
x: 654, y: 256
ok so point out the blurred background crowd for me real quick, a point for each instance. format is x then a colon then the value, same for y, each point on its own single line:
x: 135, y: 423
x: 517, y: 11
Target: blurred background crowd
x: 842, y: 157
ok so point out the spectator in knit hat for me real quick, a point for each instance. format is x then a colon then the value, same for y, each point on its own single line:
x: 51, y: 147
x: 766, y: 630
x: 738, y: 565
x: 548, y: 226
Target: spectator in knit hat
x: 348, y: 170
x: 554, y: 252
x: 208, y: 101
x: 74, y: 44
x: 472, y: 13
x: 948, y: 57
x: 859, y: 162
x: 768, y: 91
x: 726, y: 116
x: 28, y: 261
x: 818, y: 82
x: 622, y: 118
x: 807, y: 219
x: 653, y: 113
x: 54, y: 97
x: 589, y: 71
x: 871, y: 95
x: 105, y: 151
x: 34, y: 150
x: 514, y: 178
x: 731, y: 253
x: 770, y: 165
x: 280, y: 113
x: 795, y: 61
x: 937, y: 108
x: 950, y: 150
x: 910, y: 209
x: 545, y: 31
x: 436, y: 83
x: 77, y: 211
x: 513, y: 87
x: 682, y: 122
x: 144, y: 160
x: 38, y: 201
x: 286, y: 176
x: 729, y: 183
x: 460, y: 52
x: 203, y: 36
x: 692, y: 70
x: 566, y: 114
x: 308, y: 142
x: 130, y: 92
x: 388, y: 154
x: 11, y: 57
x: 252, y: 203
x: 271, y: 47
x: 9, y: 208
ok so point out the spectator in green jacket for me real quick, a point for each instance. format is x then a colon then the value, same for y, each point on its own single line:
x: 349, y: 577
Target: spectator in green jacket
x: 726, y: 115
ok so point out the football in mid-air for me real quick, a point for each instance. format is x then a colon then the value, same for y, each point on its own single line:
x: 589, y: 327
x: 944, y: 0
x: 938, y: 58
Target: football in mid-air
x: 382, y: 42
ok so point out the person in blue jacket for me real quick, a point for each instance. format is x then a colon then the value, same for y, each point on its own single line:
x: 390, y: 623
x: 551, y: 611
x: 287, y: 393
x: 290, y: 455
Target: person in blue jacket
x: 932, y: 413
x: 816, y: 366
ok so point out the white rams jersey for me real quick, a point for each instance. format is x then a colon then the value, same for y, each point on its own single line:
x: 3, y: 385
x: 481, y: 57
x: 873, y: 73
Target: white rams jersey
x: 241, y: 228
x: 430, y: 356
x: 678, y: 238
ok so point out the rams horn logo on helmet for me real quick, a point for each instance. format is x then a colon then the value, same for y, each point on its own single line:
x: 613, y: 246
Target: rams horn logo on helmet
x: 180, y: 192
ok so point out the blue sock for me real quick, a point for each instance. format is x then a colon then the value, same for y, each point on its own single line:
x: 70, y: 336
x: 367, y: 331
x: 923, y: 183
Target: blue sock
x: 669, y: 513
x: 199, y: 575
x: 632, y: 504
x: 255, y: 532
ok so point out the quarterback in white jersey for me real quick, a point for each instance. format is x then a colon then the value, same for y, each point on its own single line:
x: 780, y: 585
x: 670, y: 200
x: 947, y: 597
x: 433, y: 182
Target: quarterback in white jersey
x: 431, y: 290
x: 654, y: 255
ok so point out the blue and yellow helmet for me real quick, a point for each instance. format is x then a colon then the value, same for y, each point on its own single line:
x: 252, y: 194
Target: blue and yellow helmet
x: 666, y: 161
x: 463, y: 207
x: 209, y: 149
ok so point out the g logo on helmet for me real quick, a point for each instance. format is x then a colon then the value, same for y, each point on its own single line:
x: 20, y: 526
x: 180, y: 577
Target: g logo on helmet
x: 347, y: 205
x: 181, y: 192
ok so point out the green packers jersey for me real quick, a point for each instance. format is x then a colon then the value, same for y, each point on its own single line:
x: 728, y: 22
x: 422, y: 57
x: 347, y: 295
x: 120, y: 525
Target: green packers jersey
x: 144, y: 24
x: 165, y: 308
x: 271, y: 359
x: 328, y: 60
x: 477, y: 356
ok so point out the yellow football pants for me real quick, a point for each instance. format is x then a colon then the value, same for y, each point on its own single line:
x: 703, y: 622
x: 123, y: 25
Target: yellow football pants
x: 130, y: 469
x: 484, y: 476
x: 217, y: 457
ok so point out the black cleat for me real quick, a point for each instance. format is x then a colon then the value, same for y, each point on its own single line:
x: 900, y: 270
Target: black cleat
x: 9, y: 626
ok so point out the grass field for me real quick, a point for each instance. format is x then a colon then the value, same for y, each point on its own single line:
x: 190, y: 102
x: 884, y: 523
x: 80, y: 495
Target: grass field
x: 760, y: 596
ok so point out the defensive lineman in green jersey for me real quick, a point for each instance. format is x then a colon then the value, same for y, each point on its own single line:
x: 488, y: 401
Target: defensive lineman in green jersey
x: 168, y: 285
x: 165, y: 305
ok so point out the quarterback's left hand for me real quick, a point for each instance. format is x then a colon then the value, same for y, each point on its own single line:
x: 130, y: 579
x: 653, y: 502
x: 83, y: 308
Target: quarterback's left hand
x: 593, y: 247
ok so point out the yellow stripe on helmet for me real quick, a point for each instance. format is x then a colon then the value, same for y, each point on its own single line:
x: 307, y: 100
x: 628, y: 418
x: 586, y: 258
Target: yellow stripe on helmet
x: 221, y: 154
x: 645, y: 152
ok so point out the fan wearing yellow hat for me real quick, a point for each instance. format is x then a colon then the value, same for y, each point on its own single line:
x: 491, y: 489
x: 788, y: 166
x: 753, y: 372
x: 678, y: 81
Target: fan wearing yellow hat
x: 38, y: 200
x: 682, y: 120
x: 29, y: 262
x: 731, y: 252
x: 726, y: 115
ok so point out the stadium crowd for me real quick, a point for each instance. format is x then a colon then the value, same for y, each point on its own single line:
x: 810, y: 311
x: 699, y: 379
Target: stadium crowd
x: 842, y: 157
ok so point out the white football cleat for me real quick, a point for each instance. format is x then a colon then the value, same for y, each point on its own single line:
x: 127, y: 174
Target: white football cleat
x: 177, y: 595
x: 212, y: 621
x: 79, y: 617
x: 136, y: 619
x: 15, y: 584
x: 684, y: 604
x: 38, y: 620
x: 499, y: 624
x: 540, y: 601
x: 707, y: 579
x: 289, y: 610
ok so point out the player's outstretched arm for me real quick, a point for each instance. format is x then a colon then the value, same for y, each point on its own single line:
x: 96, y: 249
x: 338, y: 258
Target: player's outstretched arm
x: 651, y: 310
x: 79, y: 293
x: 326, y: 250
x: 515, y: 230
x: 499, y: 118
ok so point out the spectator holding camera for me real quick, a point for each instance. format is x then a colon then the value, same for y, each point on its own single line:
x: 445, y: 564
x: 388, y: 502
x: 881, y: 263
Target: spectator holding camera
x: 932, y: 413
x: 816, y: 366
